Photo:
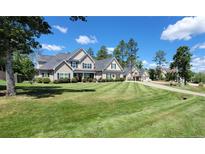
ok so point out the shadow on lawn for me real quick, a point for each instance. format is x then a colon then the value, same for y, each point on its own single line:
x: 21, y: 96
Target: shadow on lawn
x: 45, y: 91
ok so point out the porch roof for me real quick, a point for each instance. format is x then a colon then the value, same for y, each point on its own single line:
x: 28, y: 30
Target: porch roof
x: 84, y: 71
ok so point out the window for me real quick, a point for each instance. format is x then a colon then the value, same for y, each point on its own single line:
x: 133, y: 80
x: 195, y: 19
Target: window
x: 108, y: 76
x: 63, y: 75
x: 45, y: 74
x: 89, y: 66
x: 113, y: 66
x: 74, y: 64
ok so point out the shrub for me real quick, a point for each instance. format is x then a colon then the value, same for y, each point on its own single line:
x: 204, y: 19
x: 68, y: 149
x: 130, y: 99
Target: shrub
x: 56, y: 81
x: 94, y: 80
x: 111, y: 80
x: 85, y: 80
x: 104, y: 80
x: 100, y: 80
x: 74, y: 80
x: 201, y: 84
x: 90, y: 80
x: 46, y: 80
x: 65, y: 80
x: 122, y: 79
x: 39, y: 80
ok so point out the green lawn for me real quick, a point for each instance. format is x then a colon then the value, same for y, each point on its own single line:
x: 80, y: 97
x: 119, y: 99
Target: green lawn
x: 100, y: 110
x: 193, y: 88
x: 199, y: 89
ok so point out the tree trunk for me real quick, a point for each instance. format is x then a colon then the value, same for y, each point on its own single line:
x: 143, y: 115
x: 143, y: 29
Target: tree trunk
x: 185, y: 81
x: 10, y: 82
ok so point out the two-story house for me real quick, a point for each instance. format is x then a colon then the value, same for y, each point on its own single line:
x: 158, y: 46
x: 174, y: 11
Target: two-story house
x: 77, y: 64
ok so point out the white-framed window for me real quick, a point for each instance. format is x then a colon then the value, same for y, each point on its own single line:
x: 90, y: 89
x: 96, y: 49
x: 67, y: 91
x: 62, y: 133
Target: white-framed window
x: 85, y: 65
x: 74, y: 64
x: 63, y: 75
x: 108, y: 76
x: 113, y: 66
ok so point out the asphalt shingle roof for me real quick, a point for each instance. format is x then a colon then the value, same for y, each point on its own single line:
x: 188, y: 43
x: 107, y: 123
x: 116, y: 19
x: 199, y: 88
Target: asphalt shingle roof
x: 101, y: 64
x: 55, y: 60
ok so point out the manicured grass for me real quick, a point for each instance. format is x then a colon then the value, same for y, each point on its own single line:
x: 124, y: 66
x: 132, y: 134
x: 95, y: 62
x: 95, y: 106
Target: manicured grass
x: 100, y: 110
x: 2, y: 82
x: 199, y: 89
x: 193, y: 88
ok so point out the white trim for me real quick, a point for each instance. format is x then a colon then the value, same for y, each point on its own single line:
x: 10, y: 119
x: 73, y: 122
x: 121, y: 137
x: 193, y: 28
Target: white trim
x: 61, y: 63
x: 81, y: 49
x: 111, y: 62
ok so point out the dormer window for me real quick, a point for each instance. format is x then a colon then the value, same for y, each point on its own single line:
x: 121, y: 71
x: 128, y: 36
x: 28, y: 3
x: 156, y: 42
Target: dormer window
x: 74, y: 64
x: 113, y: 66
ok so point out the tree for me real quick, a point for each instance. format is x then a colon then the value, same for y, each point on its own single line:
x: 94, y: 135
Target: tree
x: 102, y: 53
x: 90, y: 51
x: 182, y: 60
x: 123, y: 52
x: 160, y: 60
x: 23, y: 65
x: 117, y: 55
x: 152, y: 74
x: 139, y: 64
x: 198, y: 77
x: 19, y: 34
x: 2, y: 63
x: 132, y: 52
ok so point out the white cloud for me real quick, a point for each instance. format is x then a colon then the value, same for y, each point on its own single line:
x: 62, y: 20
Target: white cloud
x: 152, y: 65
x: 144, y: 62
x: 198, y: 64
x: 184, y: 29
x: 198, y: 46
x: 83, y: 39
x: 110, y: 50
x: 61, y: 29
x: 52, y: 47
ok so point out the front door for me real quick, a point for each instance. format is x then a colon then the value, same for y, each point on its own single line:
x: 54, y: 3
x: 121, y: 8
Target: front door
x: 78, y: 76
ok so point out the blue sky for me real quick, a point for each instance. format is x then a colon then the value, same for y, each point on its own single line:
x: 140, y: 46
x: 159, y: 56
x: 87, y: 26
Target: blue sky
x: 151, y: 33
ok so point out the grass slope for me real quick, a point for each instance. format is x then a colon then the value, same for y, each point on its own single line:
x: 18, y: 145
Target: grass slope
x: 100, y: 110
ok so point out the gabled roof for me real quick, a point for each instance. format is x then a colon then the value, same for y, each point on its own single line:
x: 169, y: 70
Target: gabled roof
x: 44, y: 58
x: 54, y: 60
x: 102, y: 64
x: 61, y: 63
x: 128, y: 69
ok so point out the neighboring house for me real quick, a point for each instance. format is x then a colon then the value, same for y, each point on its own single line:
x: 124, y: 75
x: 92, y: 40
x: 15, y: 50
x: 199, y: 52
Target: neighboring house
x: 164, y: 71
x: 108, y: 69
x: 77, y: 64
x: 133, y: 73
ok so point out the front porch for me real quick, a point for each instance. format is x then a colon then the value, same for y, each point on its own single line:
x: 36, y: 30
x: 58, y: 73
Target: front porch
x: 81, y: 75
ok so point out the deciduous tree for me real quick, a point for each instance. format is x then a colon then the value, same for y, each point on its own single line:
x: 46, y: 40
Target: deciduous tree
x: 182, y: 60
x: 19, y: 34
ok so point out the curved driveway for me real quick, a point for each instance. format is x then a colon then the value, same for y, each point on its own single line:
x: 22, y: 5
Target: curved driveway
x: 170, y: 88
